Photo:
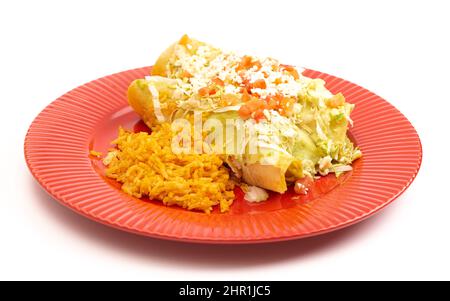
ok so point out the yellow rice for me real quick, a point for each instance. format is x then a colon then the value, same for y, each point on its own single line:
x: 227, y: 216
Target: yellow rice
x: 95, y: 154
x: 146, y: 166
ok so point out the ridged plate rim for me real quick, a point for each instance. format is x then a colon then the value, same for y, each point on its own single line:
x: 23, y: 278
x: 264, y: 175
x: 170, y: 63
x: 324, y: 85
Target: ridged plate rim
x: 45, y: 141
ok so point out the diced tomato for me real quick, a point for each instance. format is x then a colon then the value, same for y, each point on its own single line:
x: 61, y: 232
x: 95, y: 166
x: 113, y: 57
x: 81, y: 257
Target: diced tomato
x: 241, y: 74
x: 244, y: 112
x: 284, y: 105
x: 186, y: 74
x: 252, y: 105
x: 247, y: 63
x: 256, y: 104
x: 229, y: 100
x: 184, y: 40
x: 276, y: 101
x: 260, y: 83
x: 218, y: 81
x: 253, y: 108
x: 336, y: 101
x: 294, y: 73
x: 247, y: 86
x: 204, y: 91
x: 272, y: 103
x: 258, y: 114
x: 257, y: 64
x: 245, y: 95
x: 279, y: 98
x: 291, y: 70
x: 302, y: 186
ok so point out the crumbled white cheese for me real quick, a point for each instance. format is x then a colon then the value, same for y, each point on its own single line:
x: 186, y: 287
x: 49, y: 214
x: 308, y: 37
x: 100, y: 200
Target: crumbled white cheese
x: 254, y: 75
x: 256, y: 194
x: 264, y: 93
x: 209, y: 62
x: 297, y: 108
x: 198, y: 83
x: 291, y: 88
x: 231, y: 89
x: 325, y: 163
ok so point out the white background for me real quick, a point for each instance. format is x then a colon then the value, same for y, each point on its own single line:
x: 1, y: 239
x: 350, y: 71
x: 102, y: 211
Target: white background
x: 398, y: 49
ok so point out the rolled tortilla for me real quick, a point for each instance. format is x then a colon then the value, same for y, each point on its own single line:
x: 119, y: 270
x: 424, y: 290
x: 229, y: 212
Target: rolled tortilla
x: 164, y: 64
x: 161, y: 65
x: 265, y: 176
x: 142, y: 100
x: 265, y: 169
x: 153, y: 108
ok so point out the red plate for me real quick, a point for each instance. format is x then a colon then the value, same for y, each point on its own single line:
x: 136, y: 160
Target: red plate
x: 59, y: 140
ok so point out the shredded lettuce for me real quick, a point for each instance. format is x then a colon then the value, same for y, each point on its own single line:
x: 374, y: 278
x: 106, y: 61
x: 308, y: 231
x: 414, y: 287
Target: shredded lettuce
x: 325, y: 119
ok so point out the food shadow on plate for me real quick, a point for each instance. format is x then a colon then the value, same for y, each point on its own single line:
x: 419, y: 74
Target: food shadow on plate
x: 209, y: 256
